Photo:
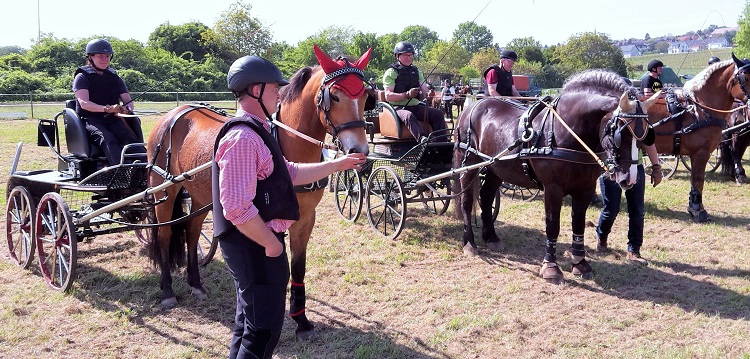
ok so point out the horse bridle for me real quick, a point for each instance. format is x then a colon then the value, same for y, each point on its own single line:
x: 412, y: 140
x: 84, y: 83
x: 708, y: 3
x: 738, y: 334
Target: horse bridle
x: 639, y: 120
x: 741, y: 80
x: 324, y: 98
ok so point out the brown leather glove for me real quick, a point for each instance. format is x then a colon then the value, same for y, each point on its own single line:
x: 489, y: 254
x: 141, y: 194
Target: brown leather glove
x: 656, y: 175
x: 413, y: 93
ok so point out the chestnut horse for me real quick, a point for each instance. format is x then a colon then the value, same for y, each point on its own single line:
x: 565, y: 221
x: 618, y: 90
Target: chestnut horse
x: 460, y: 98
x: 329, y: 99
x: 540, y: 148
x: 695, y: 128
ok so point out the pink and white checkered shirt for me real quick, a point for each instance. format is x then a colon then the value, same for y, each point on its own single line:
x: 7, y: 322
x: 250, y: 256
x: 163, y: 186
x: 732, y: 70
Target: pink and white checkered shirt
x: 243, y: 159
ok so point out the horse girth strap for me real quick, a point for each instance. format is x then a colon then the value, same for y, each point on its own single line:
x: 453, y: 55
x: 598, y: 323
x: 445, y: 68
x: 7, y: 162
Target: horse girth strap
x: 168, y: 130
x: 560, y: 154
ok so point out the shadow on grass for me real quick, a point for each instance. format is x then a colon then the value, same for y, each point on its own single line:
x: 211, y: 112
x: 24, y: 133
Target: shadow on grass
x: 649, y: 284
x: 336, y: 339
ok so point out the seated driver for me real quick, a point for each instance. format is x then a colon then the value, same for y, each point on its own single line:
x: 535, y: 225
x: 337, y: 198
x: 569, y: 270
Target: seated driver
x: 405, y: 86
x: 99, y: 92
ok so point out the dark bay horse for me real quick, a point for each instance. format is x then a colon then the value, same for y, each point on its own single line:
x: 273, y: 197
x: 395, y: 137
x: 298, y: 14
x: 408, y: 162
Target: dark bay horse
x: 326, y: 99
x: 694, y: 127
x: 734, y: 143
x: 460, y: 98
x: 595, y: 106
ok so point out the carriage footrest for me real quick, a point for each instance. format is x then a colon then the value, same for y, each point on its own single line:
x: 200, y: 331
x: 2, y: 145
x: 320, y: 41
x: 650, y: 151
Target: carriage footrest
x: 393, y: 147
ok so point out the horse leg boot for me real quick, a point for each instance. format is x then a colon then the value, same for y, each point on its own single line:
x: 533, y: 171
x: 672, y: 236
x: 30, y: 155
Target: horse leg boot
x: 305, y: 330
x: 581, y: 267
x: 550, y: 271
x: 695, y: 207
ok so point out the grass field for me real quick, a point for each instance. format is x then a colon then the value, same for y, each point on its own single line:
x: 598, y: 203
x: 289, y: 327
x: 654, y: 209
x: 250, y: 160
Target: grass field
x: 416, y: 296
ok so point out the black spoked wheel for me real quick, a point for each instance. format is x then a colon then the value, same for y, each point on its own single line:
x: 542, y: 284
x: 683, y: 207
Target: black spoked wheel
x: 19, y: 224
x: 348, y: 188
x: 517, y: 192
x: 144, y: 233
x: 668, y: 164
x: 435, y: 201
x: 56, y: 242
x: 714, y: 161
x: 207, y: 246
x: 386, y: 202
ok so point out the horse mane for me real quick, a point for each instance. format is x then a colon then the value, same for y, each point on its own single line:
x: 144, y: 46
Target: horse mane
x: 609, y: 81
x: 701, y: 79
x: 297, y: 83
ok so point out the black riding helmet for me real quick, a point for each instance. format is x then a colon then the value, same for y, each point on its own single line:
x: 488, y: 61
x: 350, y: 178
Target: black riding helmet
x: 509, y: 54
x: 403, y: 46
x: 654, y: 64
x: 99, y: 46
x: 248, y: 70
x: 713, y: 60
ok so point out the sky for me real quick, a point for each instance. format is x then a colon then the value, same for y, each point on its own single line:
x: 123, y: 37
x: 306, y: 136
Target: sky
x: 547, y: 21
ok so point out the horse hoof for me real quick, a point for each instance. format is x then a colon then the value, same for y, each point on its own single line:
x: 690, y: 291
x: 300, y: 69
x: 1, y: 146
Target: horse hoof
x: 583, y: 270
x: 470, y: 250
x: 699, y: 216
x: 551, y: 273
x: 496, y: 246
x: 199, y: 294
x: 741, y: 179
x: 305, y: 335
x: 169, y: 303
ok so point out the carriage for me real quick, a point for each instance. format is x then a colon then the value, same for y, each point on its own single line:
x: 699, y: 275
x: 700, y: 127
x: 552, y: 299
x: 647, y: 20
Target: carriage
x: 50, y: 211
x: 399, y: 171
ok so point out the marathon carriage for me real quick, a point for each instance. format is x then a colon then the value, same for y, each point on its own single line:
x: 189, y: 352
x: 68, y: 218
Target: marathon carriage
x: 50, y: 211
x: 397, y: 173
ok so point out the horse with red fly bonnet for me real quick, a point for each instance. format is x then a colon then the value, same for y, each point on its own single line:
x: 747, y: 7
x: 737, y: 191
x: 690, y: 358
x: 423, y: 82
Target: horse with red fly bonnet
x: 690, y: 122
x: 557, y: 145
x: 326, y: 99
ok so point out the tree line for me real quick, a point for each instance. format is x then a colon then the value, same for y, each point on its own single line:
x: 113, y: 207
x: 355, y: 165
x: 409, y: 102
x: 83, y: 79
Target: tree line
x: 195, y: 57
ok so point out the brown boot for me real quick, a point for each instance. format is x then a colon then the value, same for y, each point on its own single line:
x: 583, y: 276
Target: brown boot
x: 636, y: 258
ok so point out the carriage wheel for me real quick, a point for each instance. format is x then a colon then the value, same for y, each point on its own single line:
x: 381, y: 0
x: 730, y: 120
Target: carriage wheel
x: 144, y: 233
x: 19, y: 222
x: 668, y: 164
x: 386, y: 203
x: 714, y: 161
x: 434, y: 204
x: 517, y: 192
x: 56, y: 242
x: 206, y: 247
x: 348, y: 188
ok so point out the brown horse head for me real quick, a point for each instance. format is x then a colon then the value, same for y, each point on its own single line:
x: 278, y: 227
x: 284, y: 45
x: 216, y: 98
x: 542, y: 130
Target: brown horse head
x: 622, y: 145
x: 342, y: 99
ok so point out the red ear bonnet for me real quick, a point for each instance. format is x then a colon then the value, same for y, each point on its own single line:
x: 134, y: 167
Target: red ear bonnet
x: 345, y: 75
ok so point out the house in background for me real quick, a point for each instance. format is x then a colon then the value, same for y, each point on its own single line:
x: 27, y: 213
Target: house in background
x: 717, y: 43
x: 630, y: 51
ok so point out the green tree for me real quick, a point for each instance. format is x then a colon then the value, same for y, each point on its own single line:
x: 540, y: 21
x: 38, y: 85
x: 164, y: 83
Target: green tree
x: 186, y: 40
x: 591, y: 51
x: 241, y: 33
x: 18, y: 81
x: 473, y: 37
x: 527, y: 49
x: 56, y: 56
x: 421, y: 37
x: 661, y: 47
x: 6, y: 50
x: 443, y: 58
x: 483, y: 59
x: 742, y: 38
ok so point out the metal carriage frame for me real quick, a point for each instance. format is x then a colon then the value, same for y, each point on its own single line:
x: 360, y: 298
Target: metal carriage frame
x: 50, y: 211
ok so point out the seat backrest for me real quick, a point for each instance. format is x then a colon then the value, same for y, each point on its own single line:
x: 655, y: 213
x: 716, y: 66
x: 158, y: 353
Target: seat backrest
x: 391, y: 126
x: 76, y: 136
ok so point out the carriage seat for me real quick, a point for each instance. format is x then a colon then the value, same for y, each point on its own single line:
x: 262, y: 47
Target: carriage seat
x: 391, y: 126
x: 77, y: 137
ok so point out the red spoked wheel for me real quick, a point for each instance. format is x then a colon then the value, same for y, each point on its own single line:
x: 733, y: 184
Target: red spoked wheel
x: 19, y: 224
x: 56, y: 242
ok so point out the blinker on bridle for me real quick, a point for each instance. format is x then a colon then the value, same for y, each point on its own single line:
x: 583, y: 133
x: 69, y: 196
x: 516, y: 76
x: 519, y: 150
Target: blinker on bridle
x: 639, y: 130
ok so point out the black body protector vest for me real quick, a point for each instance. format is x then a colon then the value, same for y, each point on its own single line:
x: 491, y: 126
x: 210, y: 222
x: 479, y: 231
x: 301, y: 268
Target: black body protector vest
x: 408, y: 77
x: 275, y: 197
x: 504, y: 80
x: 103, y: 89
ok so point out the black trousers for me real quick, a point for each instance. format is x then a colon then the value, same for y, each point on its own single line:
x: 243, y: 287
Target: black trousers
x: 260, y: 283
x: 111, y: 134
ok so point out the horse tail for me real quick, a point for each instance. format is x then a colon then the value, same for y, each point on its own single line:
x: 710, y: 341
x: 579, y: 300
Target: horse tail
x: 177, y: 241
x: 725, y: 158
